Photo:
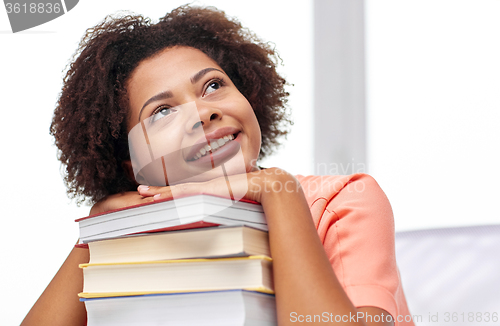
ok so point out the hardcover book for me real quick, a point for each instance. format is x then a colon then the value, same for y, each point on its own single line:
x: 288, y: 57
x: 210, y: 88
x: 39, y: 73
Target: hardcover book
x: 212, y: 242
x: 221, y: 308
x: 181, y: 213
x: 183, y: 275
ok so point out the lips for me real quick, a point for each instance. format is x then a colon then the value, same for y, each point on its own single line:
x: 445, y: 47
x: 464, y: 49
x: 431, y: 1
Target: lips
x: 212, y: 147
x: 211, y: 142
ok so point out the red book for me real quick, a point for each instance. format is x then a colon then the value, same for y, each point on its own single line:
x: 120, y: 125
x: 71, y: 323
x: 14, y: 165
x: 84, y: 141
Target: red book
x: 172, y: 214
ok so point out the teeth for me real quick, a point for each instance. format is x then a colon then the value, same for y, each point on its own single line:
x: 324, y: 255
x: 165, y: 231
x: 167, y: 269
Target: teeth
x: 214, y: 145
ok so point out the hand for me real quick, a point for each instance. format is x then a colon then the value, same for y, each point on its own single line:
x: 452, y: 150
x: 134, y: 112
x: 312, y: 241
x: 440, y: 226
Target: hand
x: 120, y: 200
x: 251, y: 186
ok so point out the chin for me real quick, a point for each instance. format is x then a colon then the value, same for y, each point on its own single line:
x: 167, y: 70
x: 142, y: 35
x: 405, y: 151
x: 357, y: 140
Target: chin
x: 234, y: 166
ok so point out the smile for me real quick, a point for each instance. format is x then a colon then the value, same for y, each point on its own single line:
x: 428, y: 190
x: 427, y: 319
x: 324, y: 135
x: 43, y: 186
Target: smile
x: 212, y: 147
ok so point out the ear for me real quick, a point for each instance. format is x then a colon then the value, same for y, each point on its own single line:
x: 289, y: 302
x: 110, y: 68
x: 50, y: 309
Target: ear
x: 129, y: 171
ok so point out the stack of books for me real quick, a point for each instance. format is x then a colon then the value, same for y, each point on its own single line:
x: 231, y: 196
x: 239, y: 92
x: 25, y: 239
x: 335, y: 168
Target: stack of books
x: 199, y: 260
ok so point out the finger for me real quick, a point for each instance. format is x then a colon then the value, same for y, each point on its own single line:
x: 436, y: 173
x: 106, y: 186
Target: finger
x: 155, y: 192
x: 139, y: 200
x: 148, y: 191
x: 148, y: 199
x: 144, y: 191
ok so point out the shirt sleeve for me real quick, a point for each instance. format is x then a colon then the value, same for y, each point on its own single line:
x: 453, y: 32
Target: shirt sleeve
x: 357, y: 230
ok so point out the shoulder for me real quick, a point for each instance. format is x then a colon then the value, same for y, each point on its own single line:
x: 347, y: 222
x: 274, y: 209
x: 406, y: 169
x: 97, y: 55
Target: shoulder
x: 359, y: 185
x: 346, y: 200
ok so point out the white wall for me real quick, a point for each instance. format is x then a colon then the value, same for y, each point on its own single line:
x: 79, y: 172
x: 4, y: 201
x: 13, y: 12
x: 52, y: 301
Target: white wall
x: 38, y: 228
x: 339, y: 87
x: 433, y: 81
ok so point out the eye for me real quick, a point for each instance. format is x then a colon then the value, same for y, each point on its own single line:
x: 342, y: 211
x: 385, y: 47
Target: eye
x: 213, y: 86
x: 161, y: 112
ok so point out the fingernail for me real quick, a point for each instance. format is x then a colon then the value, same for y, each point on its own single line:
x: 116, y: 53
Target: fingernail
x: 157, y: 196
x: 143, y: 188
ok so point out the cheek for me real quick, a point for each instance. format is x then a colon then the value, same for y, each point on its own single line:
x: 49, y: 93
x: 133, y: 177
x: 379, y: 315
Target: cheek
x: 253, y: 129
x: 165, y: 142
x: 251, y: 119
x: 249, y: 116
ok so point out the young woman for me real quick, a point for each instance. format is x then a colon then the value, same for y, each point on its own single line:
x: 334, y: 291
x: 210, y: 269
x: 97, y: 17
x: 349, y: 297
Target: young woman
x: 332, y: 238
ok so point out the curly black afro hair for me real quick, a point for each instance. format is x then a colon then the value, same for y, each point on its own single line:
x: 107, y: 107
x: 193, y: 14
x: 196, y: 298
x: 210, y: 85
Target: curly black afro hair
x: 90, y: 120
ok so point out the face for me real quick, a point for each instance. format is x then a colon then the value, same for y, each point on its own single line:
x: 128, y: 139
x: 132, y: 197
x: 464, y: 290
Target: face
x: 188, y: 122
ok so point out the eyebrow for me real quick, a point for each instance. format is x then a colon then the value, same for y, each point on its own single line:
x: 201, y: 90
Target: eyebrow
x: 168, y: 94
x: 157, y: 97
x: 202, y: 73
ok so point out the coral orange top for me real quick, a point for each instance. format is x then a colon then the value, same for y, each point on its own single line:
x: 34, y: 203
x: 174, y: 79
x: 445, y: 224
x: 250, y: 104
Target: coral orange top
x: 356, y: 226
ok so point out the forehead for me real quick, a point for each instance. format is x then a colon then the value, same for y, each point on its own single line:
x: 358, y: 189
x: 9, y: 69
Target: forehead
x: 173, y: 63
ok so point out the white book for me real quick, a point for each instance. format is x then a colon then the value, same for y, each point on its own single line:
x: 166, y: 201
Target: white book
x: 181, y: 213
x: 221, y: 308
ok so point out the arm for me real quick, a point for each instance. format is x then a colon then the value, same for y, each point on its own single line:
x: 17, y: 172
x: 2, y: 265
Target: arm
x: 304, y: 280
x: 59, y: 304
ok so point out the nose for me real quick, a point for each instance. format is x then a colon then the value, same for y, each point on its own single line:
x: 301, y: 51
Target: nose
x: 206, y: 115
